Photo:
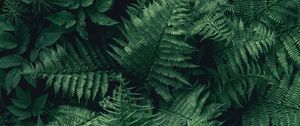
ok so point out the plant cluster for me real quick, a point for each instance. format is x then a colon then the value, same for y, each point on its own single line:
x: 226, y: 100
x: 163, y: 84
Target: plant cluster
x: 150, y: 62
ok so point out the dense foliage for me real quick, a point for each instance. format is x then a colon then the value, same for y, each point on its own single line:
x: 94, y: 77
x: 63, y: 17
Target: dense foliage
x: 150, y: 62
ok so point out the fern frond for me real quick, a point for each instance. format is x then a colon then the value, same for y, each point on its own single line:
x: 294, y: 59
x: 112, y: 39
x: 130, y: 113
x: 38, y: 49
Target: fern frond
x: 71, y: 115
x: 157, y: 46
x: 282, y: 59
x: 235, y: 86
x: 210, y: 20
x: 189, y: 109
x: 298, y: 12
x: 269, y: 13
x: 248, y: 44
x: 214, y: 26
x: 74, y: 71
x: 121, y: 109
x: 280, y: 105
x: 291, y: 43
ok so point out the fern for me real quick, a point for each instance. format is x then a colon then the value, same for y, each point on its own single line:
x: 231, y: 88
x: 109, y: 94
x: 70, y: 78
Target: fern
x: 213, y: 26
x: 235, y: 88
x: 161, y: 32
x: 291, y: 41
x: 189, y: 62
x: 71, y: 115
x: 121, y: 109
x: 278, y: 107
x: 269, y: 13
x: 186, y: 110
x: 79, y: 74
x: 238, y: 70
x: 210, y: 20
x: 248, y: 44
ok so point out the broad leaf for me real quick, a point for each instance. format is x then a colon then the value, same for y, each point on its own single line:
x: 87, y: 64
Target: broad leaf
x: 27, y: 1
x: 20, y: 103
x: 11, y: 61
x: 6, y: 26
x: 103, y: 5
x: 71, y: 4
x: 12, y: 79
x: 21, y: 113
x: 39, y: 104
x: 62, y: 18
x: 7, y: 40
x: 23, y: 98
x: 49, y: 36
x: 100, y: 18
x: 86, y: 3
x: 23, y: 37
x: 80, y: 27
x: 40, y: 122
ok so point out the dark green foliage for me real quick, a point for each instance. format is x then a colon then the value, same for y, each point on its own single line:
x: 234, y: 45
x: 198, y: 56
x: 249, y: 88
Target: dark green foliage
x: 156, y: 46
x: 11, y: 61
x: 24, y: 107
x: 120, y: 109
x: 278, y: 106
x: 71, y: 115
x: 80, y: 74
x: 149, y: 62
x: 185, y: 110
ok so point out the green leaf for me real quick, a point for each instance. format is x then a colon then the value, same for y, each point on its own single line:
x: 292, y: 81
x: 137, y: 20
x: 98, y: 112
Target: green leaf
x: 6, y: 26
x: 49, y: 36
x: 71, y: 4
x: 23, y: 98
x: 19, y: 103
x: 7, y: 41
x: 40, y: 122
x: 31, y: 79
x: 80, y: 27
x: 62, y: 18
x: 103, y: 5
x: 21, y: 113
x: 23, y: 37
x: 39, y: 104
x: 11, y: 61
x: 34, y: 54
x: 12, y: 79
x: 104, y: 86
x: 100, y: 18
x: 86, y: 3
x: 27, y: 1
